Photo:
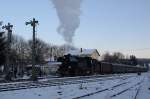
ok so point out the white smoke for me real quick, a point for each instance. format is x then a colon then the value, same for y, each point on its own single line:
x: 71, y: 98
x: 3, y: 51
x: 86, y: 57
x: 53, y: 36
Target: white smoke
x: 68, y: 12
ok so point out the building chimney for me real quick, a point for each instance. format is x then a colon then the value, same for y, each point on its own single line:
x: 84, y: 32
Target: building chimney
x: 81, y: 50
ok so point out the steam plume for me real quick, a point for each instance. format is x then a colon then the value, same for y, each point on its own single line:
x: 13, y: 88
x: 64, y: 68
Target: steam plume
x: 68, y: 12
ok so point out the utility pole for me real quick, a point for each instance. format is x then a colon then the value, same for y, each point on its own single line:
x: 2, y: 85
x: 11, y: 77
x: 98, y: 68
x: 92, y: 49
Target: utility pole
x: 33, y: 23
x: 8, y: 28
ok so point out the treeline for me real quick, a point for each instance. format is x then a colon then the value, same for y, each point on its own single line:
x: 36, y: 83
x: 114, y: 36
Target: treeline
x: 118, y: 57
x: 16, y: 54
x: 21, y: 50
x: 20, y: 54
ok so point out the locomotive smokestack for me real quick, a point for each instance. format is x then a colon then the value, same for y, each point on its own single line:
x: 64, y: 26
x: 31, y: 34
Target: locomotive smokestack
x: 81, y: 50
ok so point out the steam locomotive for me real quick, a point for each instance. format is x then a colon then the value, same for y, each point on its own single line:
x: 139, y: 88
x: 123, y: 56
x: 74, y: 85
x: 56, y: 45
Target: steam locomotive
x: 80, y: 66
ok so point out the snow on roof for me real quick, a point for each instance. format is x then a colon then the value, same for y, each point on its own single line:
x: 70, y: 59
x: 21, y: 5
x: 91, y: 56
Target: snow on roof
x: 54, y: 63
x: 84, y: 52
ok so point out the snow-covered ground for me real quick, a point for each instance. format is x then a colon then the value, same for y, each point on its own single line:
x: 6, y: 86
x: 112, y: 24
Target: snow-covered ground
x: 124, y: 88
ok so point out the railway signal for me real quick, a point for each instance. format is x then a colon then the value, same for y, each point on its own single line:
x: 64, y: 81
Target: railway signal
x: 8, y: 28
x: 33, y: 23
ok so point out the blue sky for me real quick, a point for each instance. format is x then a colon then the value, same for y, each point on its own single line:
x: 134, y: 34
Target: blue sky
x: 108, y: 25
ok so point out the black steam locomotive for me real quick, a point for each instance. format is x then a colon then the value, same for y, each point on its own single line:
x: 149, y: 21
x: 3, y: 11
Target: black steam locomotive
x: 80, y: 66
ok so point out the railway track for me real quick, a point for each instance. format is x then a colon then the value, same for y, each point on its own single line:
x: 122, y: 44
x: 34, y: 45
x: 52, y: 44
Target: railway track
x: 57, y: 77
x: 106, y: 89
x: 57, y: 81
x: 115, y: 87
x: 137, y: 92
x: 127, y: 89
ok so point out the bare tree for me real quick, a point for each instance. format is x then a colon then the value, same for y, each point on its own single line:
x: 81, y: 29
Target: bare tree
x: 133, y: 60
x: 107, y: 57
x: 117, y: 56
x: 114, y: 58
x: 2, y: 48
x: 42, y: 50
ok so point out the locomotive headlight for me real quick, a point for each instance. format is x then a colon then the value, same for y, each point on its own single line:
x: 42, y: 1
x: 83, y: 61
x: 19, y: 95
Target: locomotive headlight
x: 69, y: 67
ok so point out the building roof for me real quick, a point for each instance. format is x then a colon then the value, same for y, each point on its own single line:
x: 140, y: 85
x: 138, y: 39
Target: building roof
x: 86, y: 52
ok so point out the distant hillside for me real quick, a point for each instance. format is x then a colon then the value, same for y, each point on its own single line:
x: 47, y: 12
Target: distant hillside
x: 145, y: 60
